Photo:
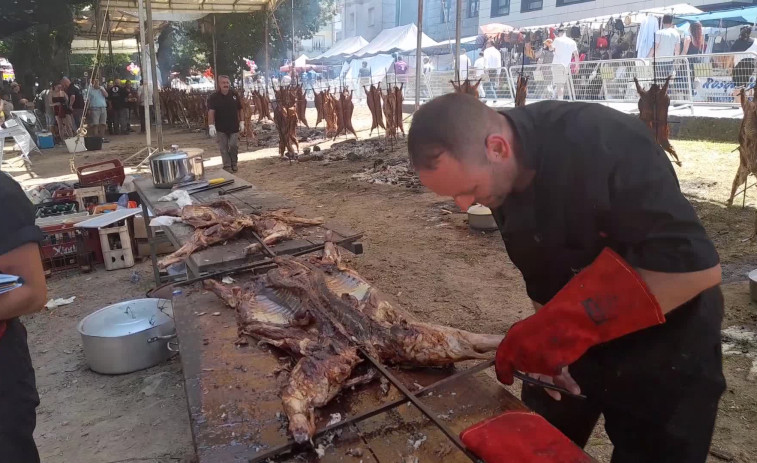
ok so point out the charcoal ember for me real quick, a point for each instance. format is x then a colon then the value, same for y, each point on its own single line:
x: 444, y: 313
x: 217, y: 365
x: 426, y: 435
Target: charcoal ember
x: 316, y: 148
x: 352, y: 156
x: 306, y: 151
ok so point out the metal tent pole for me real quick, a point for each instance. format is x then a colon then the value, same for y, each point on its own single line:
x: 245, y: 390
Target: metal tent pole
x: 110, y: 45
x: 418, y: 64
x: 267, y: 76
x: 144, y: 63
x: 215, y: 52
x: 458, y: 27
x: 154, y: 72
x: 294, y: 71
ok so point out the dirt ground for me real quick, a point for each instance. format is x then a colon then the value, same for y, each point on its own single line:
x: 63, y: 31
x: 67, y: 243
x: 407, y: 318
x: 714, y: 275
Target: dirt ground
x: 418, y: 247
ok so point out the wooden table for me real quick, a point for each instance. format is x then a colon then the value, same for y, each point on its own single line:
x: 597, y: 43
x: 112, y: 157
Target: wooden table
x: 231, y: 254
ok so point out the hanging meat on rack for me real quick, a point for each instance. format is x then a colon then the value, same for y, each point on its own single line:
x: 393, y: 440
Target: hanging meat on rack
x: 221, y: 221
x: 247, y: 111
x: 466, y: 86
x: 747, y: 149
x: 521, y: 90
x: 390, y: 102
x: 331, y: 114
x: 302, y: 104
x: 398, y: 97
x: 262, y: 104
x: 373, y: 99
x: 286, y: 126
x: 653, y: 111
x: 345, y: 108
x: 323, y: 313
x: 318, y: 103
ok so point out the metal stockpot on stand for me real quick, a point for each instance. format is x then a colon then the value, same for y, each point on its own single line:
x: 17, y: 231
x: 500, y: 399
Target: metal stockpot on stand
x: 174, y: 167
x: 128, y: 336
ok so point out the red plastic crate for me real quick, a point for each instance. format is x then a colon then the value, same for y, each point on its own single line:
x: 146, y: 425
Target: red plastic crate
x: 64, y: 195
x: 66, y: 247
x: 97, y: 177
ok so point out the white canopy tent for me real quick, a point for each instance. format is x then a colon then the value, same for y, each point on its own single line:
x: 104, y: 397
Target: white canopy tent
x: 89, y: 46
x: 395, y: 40
x: 342, y: 48
x: 634, y: 16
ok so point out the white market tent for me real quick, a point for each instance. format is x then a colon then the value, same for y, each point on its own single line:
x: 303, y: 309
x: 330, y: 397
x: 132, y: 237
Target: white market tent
x: 342, y: 48
x: 193, y: 6
x: 635, y: 16
x: 89, y: 46
x: 395, y: 40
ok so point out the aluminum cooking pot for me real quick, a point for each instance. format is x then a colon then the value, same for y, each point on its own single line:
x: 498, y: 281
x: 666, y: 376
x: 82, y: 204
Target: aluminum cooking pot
x: 174, y: 167
x: 128, y: 336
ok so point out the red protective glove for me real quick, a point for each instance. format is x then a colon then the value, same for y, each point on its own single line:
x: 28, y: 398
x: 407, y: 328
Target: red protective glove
x: 607, y: 300
x: 521, y: 437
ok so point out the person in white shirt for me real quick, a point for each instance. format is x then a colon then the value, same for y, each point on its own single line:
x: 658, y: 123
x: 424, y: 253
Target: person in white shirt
x: 478, y: 65
x: 668, y: 43
x: 492, y: 64
x: 464, y: 65
x: 565, y: 50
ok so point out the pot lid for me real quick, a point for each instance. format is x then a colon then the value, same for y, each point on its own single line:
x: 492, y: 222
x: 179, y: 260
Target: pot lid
x: 478, y: 209
x: 170, y: 156
x: 128, y: 317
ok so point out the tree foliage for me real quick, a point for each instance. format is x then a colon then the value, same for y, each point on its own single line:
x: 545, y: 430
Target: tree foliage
x: 40, y: 52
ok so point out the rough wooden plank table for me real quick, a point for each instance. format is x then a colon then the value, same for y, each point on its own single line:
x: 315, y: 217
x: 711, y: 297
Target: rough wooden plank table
x: 235, y: 407
x: 231, y: 254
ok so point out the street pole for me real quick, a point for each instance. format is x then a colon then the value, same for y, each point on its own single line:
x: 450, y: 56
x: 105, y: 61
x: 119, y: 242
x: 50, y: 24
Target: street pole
x: 143, y: 62
x: 267, y: 76
x: 418, y: 64
x: 458, y: 27
x: 154, y: 72
x: 294, y: 72
x: 110, y: 45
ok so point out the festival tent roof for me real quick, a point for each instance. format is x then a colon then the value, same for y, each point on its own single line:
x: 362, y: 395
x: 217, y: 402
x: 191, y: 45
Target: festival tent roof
x: 635, y: 16
x: 448, y: 46
x: 395, y: 40
x: 726, y: 18
x: 89, y: 46
x: 205, y: 6
x: 343, y: 47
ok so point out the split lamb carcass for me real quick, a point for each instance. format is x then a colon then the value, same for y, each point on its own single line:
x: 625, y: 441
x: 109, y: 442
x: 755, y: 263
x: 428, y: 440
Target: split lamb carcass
x: 285, y: 119
x: 653, y: 111
x: 348, y: 107
x: 747, y: 149
x: 331, y: 114
x: 318, y: 103
x: 521, y: 90
x: 220, y: 221
x: 466, y: 86
x: 323, y: 313
x: 301, y: 104
x: 390, y: 101
x: 398, y: 98
x: 374, y: 105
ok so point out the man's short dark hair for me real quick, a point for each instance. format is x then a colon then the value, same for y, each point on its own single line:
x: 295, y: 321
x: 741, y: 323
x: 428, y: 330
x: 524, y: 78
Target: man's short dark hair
x: 667, y: 19
x: 455, y: 123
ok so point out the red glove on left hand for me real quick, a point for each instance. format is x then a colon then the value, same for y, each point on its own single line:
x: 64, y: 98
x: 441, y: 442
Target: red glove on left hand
x: 607, y: 300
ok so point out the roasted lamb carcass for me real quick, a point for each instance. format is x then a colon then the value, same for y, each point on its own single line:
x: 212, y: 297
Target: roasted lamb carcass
x: 373, y: 99
x: 205, y: 237
x: 301, y: 105
x: 331, y: 114
x: 467, y: 87
x: 285, y: 119
x: 318, y: 103
x: 278, y: 226
x: 345, y: 102
x: 323, y: 313
x: 398, y: 98
x: 521, y: 90
x: 201, y: 216
x: 747, y: 149
x: 390, y: 102
x: 653, y: 111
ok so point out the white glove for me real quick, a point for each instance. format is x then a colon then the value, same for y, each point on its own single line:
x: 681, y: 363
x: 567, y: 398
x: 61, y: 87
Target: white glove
x: 212, y: 130
x: 241, y: 126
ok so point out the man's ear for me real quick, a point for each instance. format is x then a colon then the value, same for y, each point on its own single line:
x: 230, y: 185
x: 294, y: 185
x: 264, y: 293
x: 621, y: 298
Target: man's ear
x: 497, y: 148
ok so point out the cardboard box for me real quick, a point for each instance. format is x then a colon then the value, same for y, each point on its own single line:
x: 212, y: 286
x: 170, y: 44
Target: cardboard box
x: 164, y: 247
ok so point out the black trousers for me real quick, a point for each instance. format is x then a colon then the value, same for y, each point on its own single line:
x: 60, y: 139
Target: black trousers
x: 658, y: 389
x: 18, y: 397
x: 142, y: 117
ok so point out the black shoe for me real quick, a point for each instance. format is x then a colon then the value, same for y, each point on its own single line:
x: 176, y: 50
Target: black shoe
x: 234, y: 169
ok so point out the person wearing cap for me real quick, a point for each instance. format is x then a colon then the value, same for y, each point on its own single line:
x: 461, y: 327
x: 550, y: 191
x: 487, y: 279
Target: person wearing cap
x: 225, y: 121
x: 621, y: 273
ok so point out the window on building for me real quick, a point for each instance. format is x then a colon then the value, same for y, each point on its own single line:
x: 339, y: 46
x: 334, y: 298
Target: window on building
x: 500, y: 8
x: 351, y: 24
x: 370, y: 16
x: 472, y: 9
x: 445, y: 9
x: 571, y: 2
x: 319, y: 42
x: 532, y: 5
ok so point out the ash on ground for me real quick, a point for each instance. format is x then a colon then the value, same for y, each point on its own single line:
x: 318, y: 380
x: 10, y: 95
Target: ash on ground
x: 393, y: 172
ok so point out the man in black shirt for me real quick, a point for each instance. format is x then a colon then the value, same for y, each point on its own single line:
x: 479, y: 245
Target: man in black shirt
x: 117, y: 95
x: 617, y: 264
x: 225, y: 121
x: 19, y: 255
x: 75, y: 100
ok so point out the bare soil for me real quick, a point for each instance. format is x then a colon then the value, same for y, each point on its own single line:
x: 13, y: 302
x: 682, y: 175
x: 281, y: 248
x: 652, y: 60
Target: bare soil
x: 418, y: 247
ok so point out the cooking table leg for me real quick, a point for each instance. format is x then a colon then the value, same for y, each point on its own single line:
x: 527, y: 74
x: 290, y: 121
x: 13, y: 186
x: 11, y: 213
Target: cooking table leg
x: 151, y: 240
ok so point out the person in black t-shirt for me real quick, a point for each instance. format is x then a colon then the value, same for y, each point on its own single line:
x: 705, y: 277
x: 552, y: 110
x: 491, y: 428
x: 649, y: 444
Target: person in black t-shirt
x: 117, y: 96
x: 19, y: 255
x: 623, y: 275
x: 75, y: 101
x: 225, y: 121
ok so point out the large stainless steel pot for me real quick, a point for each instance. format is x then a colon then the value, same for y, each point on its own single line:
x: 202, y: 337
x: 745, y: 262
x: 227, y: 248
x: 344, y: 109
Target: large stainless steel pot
x: 128, y: 336
x: 174, y: 167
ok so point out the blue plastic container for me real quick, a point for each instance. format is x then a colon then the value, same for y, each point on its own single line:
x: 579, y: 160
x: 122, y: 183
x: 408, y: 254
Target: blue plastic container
x: 45, y: 140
